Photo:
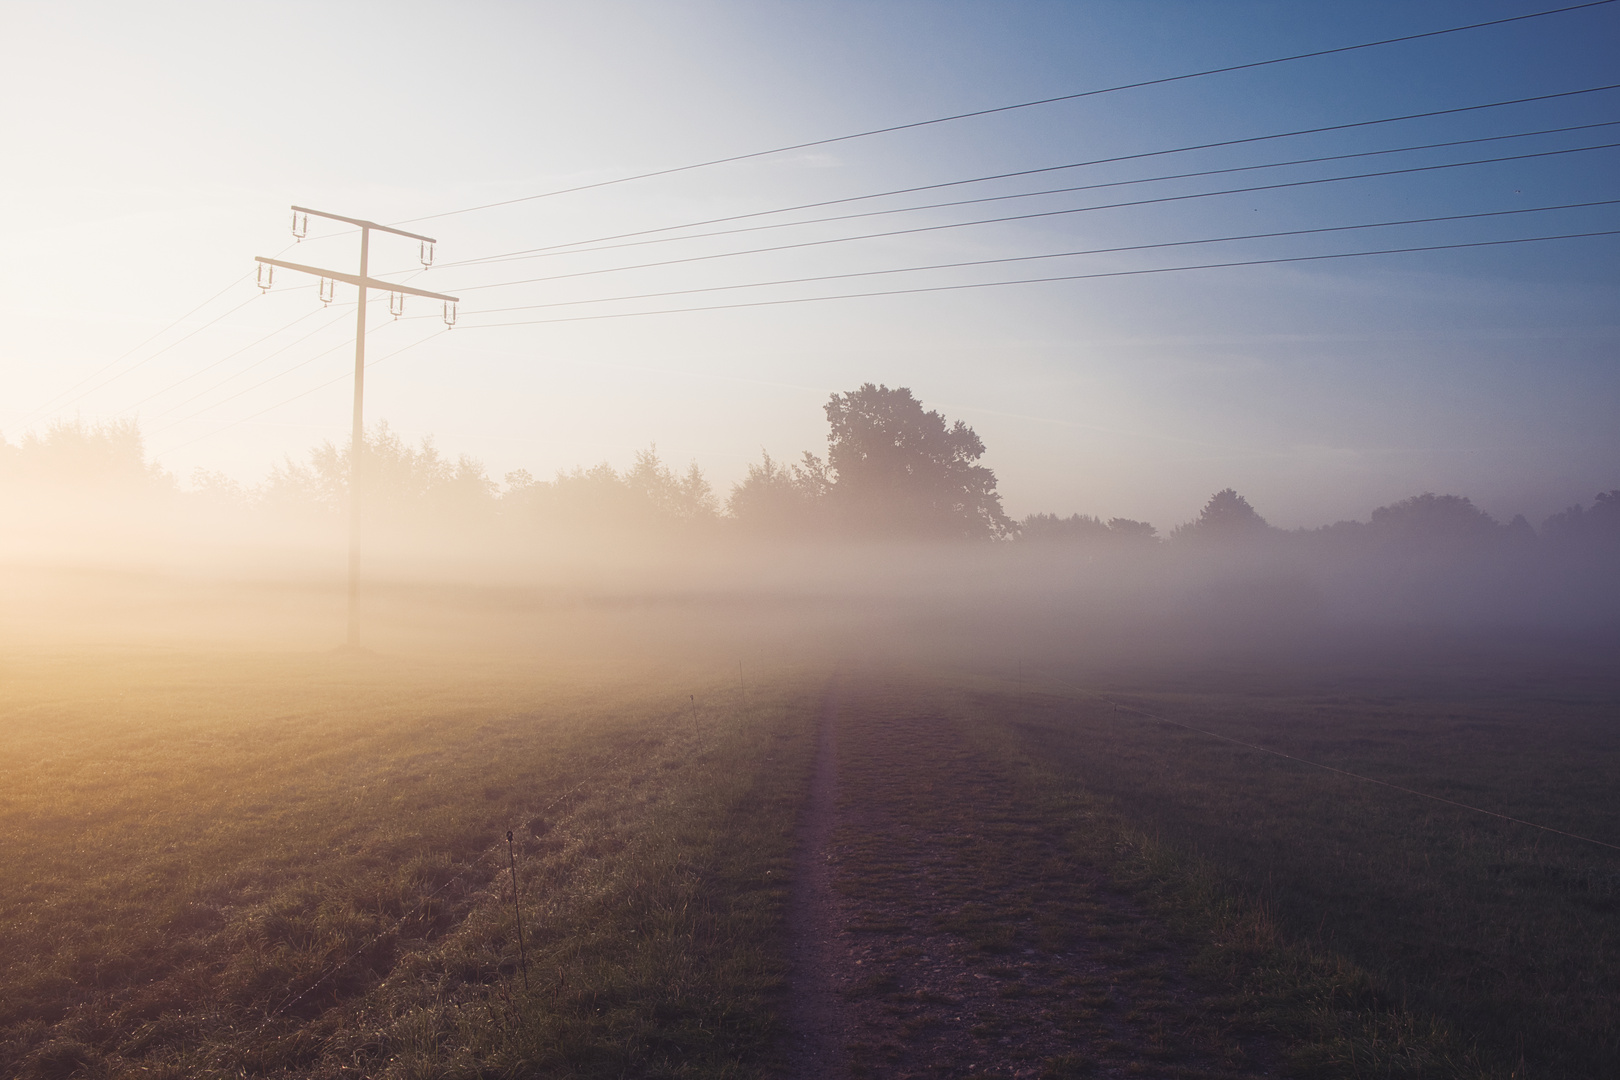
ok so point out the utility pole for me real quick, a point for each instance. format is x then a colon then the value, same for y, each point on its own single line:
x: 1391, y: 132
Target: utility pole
x: 357, y: 439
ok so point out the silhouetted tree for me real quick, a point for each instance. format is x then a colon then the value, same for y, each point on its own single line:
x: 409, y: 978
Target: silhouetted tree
x: 400, y: 482
x: 1133, y: 532
x: 776, y: 499
x: 1433, y: 520
x: 1600, y: 524
x: 900, y: 471
x: 1052, y: 529
x: 1085, y: 529
x: 1428, y: 524
x: 683, y: 498
x: 648, y: 498
x: 73, y: 454
x: 1227, y: 517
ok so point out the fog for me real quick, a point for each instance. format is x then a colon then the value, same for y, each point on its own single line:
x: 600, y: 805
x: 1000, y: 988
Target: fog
x: 102, y: 547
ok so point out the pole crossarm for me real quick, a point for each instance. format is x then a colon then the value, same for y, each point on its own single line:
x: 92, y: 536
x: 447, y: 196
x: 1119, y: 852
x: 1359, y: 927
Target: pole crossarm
x: 357, y: 434
x: 368, y: 282
x: 363, y: 223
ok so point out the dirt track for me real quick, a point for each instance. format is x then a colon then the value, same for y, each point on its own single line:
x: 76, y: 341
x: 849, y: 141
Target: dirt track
x: 817, y: 1016
x: 941, y: 928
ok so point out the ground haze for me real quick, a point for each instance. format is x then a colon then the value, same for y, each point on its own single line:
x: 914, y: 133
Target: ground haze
x: 246, y: 854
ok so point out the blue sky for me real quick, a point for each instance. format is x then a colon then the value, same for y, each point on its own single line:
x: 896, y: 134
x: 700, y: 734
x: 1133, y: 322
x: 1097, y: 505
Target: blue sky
x: 154, y: 152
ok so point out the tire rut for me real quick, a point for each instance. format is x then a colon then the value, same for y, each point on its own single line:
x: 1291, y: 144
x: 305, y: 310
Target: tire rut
x: 959, y: 935
x: 817, y: 1017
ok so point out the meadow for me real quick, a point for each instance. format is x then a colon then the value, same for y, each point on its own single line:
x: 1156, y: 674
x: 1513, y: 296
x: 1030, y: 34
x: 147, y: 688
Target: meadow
x: 1505, y: 939
x: 293, y: 863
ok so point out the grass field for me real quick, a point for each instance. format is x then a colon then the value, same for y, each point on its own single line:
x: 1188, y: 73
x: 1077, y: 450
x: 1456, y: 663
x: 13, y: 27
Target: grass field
x: 294, y: 865
x: 1508, y: 936
x: 221, y: 865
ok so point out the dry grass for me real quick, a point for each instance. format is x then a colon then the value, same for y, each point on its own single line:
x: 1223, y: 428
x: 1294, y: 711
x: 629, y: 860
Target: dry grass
x: 294, y: 866
x: 285, y: 865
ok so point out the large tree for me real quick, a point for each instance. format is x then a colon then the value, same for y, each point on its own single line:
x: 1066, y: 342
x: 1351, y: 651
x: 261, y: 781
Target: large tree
x: 1226, y: 518
x: 900, y: 471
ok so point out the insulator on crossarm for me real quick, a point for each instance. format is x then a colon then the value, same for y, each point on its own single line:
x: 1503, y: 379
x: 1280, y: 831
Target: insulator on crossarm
x: 426, y: 254
x: 300, y: 225
x: 328, y: 290
x: 449, y: 314
x: 267, y: 277
x: 396, y: 304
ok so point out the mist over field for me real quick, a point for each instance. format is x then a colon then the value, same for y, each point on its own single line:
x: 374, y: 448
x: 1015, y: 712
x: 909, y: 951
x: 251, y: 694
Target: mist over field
x: 904, y: 546
x: 705, y: 540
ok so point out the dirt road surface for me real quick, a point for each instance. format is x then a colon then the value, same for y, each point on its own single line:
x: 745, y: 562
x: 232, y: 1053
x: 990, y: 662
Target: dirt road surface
x: 942, y: 928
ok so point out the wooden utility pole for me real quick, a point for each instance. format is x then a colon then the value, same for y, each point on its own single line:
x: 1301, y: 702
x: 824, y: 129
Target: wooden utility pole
x: 357, y: 439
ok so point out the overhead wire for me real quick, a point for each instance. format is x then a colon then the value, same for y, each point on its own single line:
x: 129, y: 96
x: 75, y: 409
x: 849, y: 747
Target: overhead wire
x: 302, y: 394
x: 1059, y: 277
x: 985, y: 112
x: 50, y: 404
x: 561, y: 248
x: 963, y: 264
x: 288, y: 371
x: 1157, y: 200
x: 47, y: 405
x: 263, y: 382
x: 1228, y: 170
x: 1000, y: 109
x: 145, y: 360
x: 263, y: 359
x: 228, y: 356
x: 992, y: 111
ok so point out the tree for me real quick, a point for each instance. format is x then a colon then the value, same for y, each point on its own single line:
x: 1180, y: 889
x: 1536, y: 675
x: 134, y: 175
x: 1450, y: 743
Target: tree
x: 1577, y: 524
x: 782, y: 499
x: 1052, y: 529
x: 649, y: 498
x: 900, y: 471
x: 671, y: 497
x: 399, y: 482
x: 1434, y: 520
x: 73, y: 454
x: 1084, y: 529
x: 1226, y: 517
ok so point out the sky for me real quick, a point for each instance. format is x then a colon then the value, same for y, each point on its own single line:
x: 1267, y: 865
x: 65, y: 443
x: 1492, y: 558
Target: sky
x: 151, y: 151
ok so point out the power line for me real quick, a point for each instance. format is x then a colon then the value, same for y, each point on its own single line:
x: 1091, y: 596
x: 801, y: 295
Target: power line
x: 303, y: 394
x: 1061, y: 277
x: 263, y: 359
x: 1064, y: 191
x: 142, y: 362
x: 256, y: 363
x: 1249, y: 66
x: 252, y: 344
x: 255, y: 386
x: 1052, y: 255
x: 1025, y: 172
x: 109, y: 366
x: 1034, y: 215
x: 1342, y: 772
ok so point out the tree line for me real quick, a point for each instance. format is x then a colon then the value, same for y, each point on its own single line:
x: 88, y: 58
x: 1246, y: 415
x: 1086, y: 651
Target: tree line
x: 891, y: 471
